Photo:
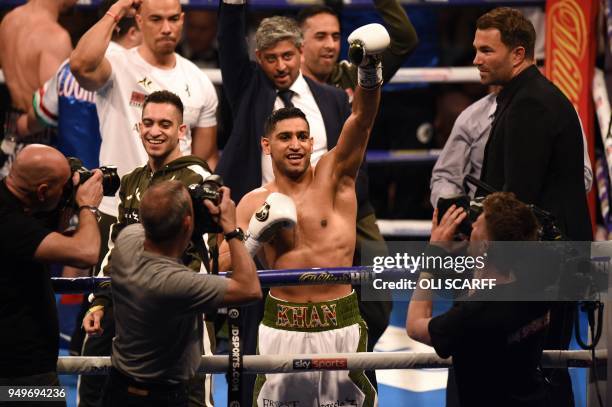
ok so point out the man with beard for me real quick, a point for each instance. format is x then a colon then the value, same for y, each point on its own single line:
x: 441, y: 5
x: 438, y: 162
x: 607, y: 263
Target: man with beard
x: 321, y: 28
x: 534, y: 150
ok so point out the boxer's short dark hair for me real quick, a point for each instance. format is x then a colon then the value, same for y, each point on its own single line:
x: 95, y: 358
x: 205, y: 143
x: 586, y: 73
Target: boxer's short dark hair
x: 283, y: 114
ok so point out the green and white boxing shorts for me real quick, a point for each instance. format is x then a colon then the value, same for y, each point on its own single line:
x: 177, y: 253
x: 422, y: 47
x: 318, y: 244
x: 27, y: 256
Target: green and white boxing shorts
x: 333, y: 326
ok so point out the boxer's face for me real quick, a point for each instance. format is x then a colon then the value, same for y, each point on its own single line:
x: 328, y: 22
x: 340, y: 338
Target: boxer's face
x: 321, y: 43
x: 290, y: 147
x: 160, y: 131
x: 493, y: 59
x: 280, y: 63
x: 161, y: 23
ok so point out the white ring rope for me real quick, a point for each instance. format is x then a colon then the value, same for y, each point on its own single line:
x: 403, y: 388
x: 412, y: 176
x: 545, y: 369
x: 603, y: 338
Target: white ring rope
x: 99, y: 365
x: 461, y: 74
x: 404, y: 227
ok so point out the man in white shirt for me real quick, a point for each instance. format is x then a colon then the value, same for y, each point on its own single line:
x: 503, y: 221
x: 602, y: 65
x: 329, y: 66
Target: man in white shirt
x: 123, y: 79
x: 464, y: 151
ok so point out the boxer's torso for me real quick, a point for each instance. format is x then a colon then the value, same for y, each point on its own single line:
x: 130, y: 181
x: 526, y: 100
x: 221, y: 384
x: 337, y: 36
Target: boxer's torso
x: 324, y: 235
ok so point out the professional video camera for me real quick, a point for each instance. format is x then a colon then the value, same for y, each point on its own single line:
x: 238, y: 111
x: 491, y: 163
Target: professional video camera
x: 207, y: 189
x: 110, y: 178
x: 549, y: 231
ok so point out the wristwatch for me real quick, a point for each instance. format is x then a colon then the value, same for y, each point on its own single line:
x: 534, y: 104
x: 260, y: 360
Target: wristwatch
x: 92, y: 209
x: 239, y: 233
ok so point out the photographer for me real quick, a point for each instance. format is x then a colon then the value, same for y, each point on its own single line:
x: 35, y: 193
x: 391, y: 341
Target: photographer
x: 28, y: 318
x: 161, y: 128
x: 158, y: 300
x: 496, y: 346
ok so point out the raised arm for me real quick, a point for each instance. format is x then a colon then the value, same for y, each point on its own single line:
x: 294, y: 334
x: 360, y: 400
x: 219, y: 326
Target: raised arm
x: 236, y: 67
x: 367, y: 43
x: 404, y: 38
x: 87, y: 61
x: 349, y: 152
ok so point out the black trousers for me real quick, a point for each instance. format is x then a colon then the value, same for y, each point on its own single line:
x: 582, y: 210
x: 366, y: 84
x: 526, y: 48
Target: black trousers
x: 91, y: 387
x: 122, y: 390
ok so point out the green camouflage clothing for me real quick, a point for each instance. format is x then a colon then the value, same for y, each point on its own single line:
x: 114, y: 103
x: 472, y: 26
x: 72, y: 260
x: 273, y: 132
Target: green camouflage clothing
x: 188, y: 170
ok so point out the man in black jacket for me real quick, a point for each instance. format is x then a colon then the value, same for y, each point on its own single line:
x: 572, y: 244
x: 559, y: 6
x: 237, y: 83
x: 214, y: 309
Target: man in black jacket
x: 534, y: 149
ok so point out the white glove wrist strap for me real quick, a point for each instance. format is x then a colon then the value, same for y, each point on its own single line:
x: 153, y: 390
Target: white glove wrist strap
x: 252, y: 245
x: 370, y: 76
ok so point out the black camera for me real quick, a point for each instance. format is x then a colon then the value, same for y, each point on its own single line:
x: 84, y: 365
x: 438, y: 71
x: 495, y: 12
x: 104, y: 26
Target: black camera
x: 110, y: 178
x: 549, y: 231
x: 207, y: 189
x: 473, y: 208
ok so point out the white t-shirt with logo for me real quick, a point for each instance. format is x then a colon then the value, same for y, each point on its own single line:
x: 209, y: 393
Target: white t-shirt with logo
x: 119, y: 103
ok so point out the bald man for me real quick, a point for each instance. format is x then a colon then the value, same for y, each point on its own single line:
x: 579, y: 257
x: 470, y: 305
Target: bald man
x: 32, y: 47
x: 28, y: 318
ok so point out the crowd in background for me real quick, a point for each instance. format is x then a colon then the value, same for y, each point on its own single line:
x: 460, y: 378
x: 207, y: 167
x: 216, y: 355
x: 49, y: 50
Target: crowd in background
x: 417, y: 116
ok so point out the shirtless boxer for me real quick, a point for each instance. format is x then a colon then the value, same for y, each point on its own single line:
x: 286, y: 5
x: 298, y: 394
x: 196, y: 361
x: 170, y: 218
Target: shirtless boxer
x: 313, y: 319
x: 32, y: 47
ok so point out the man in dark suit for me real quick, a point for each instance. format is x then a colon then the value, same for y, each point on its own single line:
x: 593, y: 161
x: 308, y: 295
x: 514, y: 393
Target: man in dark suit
x: 254, y: 90
x: 534, y: 150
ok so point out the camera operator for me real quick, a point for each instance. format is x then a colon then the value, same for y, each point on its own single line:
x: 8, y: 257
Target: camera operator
x: 158, y: 300
x: 496, y: 346
x: 29, y: 341
x: 161, y: 128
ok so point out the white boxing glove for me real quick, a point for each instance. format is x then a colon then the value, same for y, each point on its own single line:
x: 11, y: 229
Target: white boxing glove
x: 365, y: 46
x: 277, y: 212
